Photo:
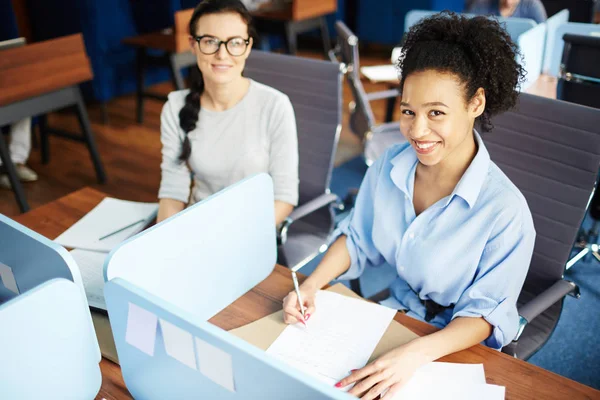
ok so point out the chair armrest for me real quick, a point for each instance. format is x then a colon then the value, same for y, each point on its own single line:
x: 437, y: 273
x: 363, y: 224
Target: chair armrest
x: 544, y: 300
x: 304, y: 210
x: 383, y: 94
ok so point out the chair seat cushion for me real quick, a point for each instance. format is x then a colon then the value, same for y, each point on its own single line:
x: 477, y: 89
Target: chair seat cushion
x: 303, y: 242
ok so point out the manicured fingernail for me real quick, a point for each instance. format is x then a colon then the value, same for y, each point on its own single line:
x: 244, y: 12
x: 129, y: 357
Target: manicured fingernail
x: 307, y: 317
x: 352, y: 370
x: 339, y: 384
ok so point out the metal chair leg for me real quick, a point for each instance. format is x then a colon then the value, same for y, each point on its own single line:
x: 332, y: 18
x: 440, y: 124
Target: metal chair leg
x: 88, y: 135
x: 325, y: 37
x: 44, y: 142
x: 141, y: 69
x: 12, y: 176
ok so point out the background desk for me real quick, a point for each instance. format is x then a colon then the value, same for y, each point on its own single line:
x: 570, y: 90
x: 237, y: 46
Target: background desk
x: 522, y: 380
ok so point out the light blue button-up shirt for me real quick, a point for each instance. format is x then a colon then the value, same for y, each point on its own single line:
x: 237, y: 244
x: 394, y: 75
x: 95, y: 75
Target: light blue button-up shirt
x: 471, y: 249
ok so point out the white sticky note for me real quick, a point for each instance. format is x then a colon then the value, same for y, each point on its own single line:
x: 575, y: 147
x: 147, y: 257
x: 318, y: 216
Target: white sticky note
x: 141, y: 329
x: 179, y: 344
x: 8, y: 278
x: 215, y: 364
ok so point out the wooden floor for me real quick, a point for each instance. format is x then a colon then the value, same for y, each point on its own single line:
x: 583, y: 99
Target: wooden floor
x: 131, y: 152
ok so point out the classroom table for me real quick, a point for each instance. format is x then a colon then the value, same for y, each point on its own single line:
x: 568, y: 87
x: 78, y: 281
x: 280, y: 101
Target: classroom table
x: 521, y: 379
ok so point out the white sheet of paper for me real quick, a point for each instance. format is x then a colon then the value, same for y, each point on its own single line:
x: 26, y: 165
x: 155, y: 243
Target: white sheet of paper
x: 141, y: 329
x: 109, y: 216
x: 339, y: 337
x: 215, y: 364
x: 179, y: 344
x: 380, y: 73
x: 451, y: 391
x: 8, y: 278
x: 91, y: 266
x: 449, y: 381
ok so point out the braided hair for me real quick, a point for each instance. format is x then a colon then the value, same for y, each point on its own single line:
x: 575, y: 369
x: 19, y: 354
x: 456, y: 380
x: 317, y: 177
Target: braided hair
x: 188, y: 115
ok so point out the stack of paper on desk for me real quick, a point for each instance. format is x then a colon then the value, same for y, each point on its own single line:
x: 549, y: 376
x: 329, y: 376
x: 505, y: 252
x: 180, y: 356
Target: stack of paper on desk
x: 435, y: 380
x: 97, y: 233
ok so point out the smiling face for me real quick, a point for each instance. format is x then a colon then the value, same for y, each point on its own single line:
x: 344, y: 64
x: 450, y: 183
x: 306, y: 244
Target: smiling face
x: 221, y: 67
x: 436, y: 119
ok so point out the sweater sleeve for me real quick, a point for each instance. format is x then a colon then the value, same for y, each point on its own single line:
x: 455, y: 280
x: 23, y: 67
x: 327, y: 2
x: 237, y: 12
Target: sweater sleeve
x: 283, y: 152
x: 175, y: 175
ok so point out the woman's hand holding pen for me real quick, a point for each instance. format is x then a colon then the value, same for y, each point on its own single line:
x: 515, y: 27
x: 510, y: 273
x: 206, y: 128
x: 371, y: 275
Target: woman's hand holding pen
x: 291, y: 308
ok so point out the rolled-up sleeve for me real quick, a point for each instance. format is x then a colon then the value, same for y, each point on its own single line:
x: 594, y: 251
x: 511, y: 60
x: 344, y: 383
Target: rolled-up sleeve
x: 175, y: 175
x: 501, y: 273
x: 283, y: 153
x: 358, y: 226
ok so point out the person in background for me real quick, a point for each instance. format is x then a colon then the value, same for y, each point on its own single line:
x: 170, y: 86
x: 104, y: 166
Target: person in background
x: 19, y: 149
x: 532, y: 9
x: 226, y: 127
x: 457, y: 231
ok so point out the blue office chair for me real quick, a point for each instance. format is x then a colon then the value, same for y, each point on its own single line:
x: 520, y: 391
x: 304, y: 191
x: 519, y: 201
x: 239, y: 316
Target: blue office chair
x: 47, y: 340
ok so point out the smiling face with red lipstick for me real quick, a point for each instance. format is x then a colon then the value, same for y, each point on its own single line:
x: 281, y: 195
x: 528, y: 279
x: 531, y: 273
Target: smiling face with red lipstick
x: 436, y: 118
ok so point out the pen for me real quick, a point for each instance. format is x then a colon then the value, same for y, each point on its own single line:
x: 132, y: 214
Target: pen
x: 297, y: 289
x: 122, y: 229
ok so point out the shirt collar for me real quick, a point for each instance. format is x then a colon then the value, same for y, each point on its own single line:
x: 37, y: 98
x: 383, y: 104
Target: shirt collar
x: 469, y: 186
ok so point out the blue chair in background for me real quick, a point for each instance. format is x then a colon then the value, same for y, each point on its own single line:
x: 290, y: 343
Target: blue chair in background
x: 47, y: 338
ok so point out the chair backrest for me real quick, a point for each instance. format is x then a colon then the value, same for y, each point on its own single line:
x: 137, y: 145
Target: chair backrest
x: 550, y: 150
x: 552, y: 25
x: 579, y: 80
x: 558, y: 44
x: 315, y: 90
x: 362, y: 119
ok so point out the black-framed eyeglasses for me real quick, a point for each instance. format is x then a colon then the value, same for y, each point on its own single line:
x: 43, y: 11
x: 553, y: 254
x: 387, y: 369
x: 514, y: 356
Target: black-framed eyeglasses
x: 236, y: 46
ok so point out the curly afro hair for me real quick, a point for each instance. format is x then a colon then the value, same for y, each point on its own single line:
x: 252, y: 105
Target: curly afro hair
x: 477, y: 50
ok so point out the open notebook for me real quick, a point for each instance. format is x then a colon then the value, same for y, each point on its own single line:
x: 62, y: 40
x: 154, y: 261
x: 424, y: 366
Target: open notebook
x: 108, y: 224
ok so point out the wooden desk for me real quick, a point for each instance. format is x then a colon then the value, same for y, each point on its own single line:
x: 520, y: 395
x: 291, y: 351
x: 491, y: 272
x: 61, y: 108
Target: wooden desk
x: 40, y: 78
x: 522, y: 380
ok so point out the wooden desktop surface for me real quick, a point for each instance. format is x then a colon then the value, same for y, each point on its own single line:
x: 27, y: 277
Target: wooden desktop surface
x: 522, y: 380
x: 43, y: 67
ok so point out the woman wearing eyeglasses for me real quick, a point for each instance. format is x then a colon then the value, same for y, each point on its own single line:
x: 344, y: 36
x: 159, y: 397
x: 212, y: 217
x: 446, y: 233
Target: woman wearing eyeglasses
x: 225, y: 127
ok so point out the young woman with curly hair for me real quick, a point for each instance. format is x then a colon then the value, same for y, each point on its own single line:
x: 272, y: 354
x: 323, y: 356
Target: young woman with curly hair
x: 225, y: 127
x: 457, y: 231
